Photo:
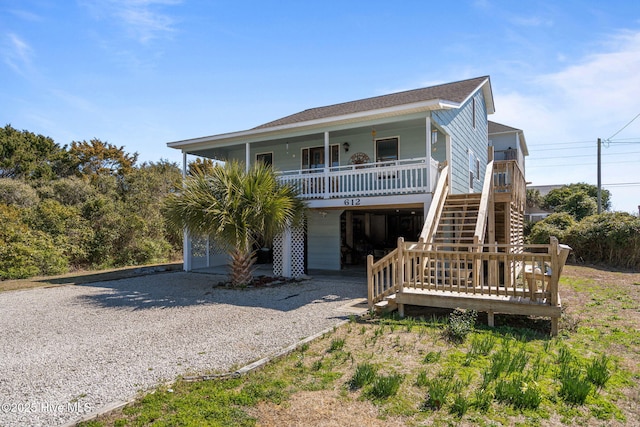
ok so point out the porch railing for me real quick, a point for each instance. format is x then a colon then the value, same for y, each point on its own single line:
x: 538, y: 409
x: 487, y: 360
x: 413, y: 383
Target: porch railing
x: 370, y: 179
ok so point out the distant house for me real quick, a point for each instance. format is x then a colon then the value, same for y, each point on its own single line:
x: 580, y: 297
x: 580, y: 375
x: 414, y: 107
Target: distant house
x: 534, y: 213
x: 423, y: 166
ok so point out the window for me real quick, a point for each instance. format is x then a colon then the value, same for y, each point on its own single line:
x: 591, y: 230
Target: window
x: 474, y: 169
x: 266, y: 158
x: 473, y: 112
x: 313, y: 158
x: 386, y: 149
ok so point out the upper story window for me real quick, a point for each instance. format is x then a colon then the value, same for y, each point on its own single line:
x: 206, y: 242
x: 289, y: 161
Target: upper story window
x: 266, y: 158
x: 313, y: 158
x: 473, y: 112
x: 386, y: 149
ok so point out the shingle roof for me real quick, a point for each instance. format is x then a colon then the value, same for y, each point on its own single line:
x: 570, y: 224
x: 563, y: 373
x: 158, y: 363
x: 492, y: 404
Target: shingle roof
x: 454, y: 92
x: 499, y: 128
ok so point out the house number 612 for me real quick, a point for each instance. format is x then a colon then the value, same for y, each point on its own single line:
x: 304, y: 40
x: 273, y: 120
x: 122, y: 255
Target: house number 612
x: 352, y: 202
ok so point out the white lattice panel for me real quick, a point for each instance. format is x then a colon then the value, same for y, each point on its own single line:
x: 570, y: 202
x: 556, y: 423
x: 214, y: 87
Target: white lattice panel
x: 297, y: 252
x: 277, y: 254
x: 288, y: 247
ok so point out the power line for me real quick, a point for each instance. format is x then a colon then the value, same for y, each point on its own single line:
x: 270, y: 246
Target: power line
x: 579, y: 164
x: 586, y: 155
x: 624, y: 127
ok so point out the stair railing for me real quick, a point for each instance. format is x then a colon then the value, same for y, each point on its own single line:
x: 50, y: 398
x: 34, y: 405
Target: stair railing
x: 437, y: 205
x: 486, y: 202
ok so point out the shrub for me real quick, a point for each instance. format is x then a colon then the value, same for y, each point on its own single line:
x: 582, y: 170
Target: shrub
x: 610, y: 238
x: 461, y: 322
x: 25, y: 252
x: 17, y: 193
x: 556, y: 225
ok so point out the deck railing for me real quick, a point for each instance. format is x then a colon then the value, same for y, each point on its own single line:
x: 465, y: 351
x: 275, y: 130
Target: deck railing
x: 370, y: 179
x: 530, y: 271
x: 509, y: 178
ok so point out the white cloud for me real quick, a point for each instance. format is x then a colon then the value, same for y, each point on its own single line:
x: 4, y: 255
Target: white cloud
x: 592, y: 98
x: 143, y: 20
x: 17, y: 53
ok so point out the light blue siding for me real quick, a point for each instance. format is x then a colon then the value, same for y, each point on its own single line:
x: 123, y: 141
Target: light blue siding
x: 287, y: 153
x: 458, y: 123
x: 323, y: 237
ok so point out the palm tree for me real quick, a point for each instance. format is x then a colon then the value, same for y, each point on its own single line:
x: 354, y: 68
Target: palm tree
x: 238, y: 209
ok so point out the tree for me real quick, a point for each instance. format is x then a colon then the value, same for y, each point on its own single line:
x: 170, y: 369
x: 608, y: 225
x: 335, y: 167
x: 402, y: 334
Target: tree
x: 101, y: 158
x: 204, y: 166
x: 238, y: 209
x: 533, y: 197
x: 28, y: 156
x: 563, y: 199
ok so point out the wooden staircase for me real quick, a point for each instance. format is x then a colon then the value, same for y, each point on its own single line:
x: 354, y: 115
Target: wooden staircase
x: 458, y: 219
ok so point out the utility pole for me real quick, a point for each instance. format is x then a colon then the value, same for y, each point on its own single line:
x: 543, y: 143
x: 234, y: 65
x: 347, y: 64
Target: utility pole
x: 599, y: 178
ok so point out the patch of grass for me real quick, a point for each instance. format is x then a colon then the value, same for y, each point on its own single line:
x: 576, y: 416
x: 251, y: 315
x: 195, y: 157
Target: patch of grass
x: 574, y: 386
x: 432, y: 357
x: 336, y: 344
x: 459, y: 405
x: 384, y: 386
x: 598, y: 372
x: 438, y: 390
x: 519, y: 391
x: 365, y: 374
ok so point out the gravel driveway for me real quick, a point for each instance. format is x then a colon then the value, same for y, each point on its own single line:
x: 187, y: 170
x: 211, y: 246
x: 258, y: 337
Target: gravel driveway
x: 71, y: 350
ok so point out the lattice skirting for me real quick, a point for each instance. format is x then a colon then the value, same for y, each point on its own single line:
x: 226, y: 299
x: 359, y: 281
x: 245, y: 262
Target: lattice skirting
x: 288, y: 253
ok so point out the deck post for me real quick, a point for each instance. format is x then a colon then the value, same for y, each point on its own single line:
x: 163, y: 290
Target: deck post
x: 370, y: 293
x: 400, y: 267
x: 553, y: 280
x: 555, y: 270
x: 554, y: 326
x: 400, y: 272
x: 490, y: 319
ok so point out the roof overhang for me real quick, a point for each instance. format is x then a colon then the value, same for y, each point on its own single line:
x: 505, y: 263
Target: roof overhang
x: 275, y: 132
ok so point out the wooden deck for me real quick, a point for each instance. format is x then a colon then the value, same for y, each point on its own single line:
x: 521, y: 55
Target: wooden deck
x: 451, y: 267
x: 487, y: 278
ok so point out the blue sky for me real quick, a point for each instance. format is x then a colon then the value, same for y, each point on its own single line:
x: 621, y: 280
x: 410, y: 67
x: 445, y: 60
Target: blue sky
x: 140, y: 73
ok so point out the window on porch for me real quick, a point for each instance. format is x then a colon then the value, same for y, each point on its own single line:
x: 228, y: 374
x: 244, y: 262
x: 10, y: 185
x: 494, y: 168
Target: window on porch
x: 387, y: 149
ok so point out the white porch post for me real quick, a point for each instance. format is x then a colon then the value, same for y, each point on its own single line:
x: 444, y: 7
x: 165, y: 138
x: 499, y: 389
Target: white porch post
x: 286, y: 252
x: 428, y: 152
x: 247, y: 156
x: 186, y: 243
x: 327, y: 162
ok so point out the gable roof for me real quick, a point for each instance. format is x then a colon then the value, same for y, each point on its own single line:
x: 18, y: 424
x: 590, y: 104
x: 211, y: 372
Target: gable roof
x: 456, y: 93
x: 494, y: 128
x: 444, y: 96
x: 500, y: 128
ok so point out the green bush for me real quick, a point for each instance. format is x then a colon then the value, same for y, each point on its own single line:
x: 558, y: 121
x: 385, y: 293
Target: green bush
x: 556, y: 225
x: 609, y: 238
x: 461, y: 323
x: 25, y: 252
x: 18, y: 193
